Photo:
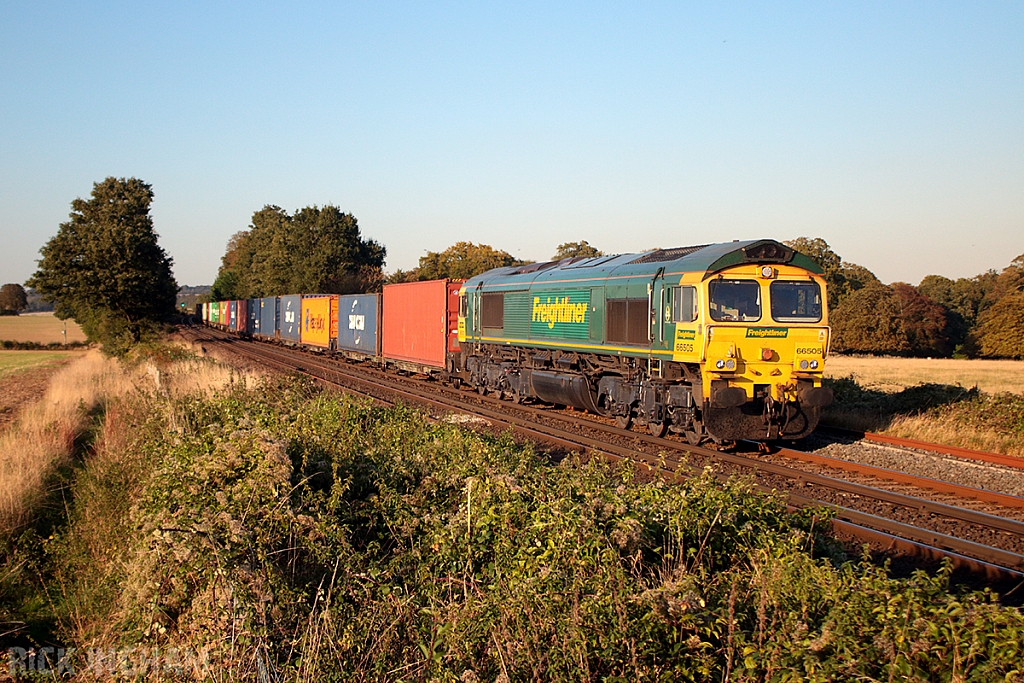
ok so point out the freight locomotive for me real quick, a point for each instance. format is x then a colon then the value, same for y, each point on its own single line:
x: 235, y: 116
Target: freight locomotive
x: 726, y: 341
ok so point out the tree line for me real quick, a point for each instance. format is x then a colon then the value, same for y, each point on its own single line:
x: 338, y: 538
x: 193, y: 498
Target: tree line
x: 105, y: 269
x: 981, y: 316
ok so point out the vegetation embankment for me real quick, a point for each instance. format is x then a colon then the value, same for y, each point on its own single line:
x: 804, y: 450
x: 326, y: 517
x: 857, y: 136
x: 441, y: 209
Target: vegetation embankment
x: 937, y: 413
x: 294, y: 535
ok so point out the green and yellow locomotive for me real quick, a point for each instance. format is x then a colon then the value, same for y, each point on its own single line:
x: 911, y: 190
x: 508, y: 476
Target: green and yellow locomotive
x: 726, y: 341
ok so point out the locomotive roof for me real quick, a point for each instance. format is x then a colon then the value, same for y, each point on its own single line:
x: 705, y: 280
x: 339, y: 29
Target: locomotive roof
x: 706, y: 258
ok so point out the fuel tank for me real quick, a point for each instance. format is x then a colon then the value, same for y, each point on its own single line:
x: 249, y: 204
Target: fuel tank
x: 569, y: 390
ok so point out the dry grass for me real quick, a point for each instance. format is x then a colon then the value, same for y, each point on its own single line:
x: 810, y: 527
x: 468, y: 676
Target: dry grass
x: 43, y: 437
x: 949, y: 432
x: 896, y: 374
x: 41, y: 328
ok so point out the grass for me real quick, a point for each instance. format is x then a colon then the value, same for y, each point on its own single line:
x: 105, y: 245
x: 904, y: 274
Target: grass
x: 300, y: 536
x: 40, y: 328
x: 44, y: 437
x: 896, y: 374
x: 936, y: 413
x: 14, y: 361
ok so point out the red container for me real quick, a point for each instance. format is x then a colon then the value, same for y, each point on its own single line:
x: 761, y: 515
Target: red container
x: 421, y: 321
x: 238, y: 324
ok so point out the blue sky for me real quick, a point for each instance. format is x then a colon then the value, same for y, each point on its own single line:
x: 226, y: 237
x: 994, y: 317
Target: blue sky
x: 893, y: 130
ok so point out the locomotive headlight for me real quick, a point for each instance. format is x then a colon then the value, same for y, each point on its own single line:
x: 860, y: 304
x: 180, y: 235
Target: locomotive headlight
x: 767, y: 271
x: 719, y: 363
x: 814, y: 365
x: 803, y: 364
x: 730, y: 364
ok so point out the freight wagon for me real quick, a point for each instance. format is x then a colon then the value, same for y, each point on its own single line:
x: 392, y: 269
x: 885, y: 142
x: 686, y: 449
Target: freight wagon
x: 420, y: 326
x: 357, y: 334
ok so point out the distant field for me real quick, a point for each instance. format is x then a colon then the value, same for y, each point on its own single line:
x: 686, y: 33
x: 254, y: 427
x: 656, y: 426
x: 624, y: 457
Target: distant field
x: 42, y: 328
x: 12, y: 361
x: 896, y: 374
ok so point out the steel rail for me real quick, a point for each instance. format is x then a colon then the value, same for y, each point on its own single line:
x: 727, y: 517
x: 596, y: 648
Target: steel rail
x: 958, y: 490
x: 853, y: 519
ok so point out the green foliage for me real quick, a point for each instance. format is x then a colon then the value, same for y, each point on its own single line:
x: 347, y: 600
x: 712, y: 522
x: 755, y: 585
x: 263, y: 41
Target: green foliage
x: 1000, y: 330
x: 1002, y: 413
x: 869, y: 321
x: 12, y: 298
x: 105, y: 269
x: 580, y: 249
x: 316, y: 250
x: 462, y: 261
x: 880, y: 407
x: 317, y: 538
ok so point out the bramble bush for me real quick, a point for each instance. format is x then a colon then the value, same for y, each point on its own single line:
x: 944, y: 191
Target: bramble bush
x: 309, y: 536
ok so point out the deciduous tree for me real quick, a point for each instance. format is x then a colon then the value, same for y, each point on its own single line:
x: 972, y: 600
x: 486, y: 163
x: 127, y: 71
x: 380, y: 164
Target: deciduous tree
x: 316, y: 250
x: 463, y: 260
x: 580, y: 249
x: 104, y: 267
x: 13, y: 299
x: 925, y: 322
x: 869, y: 320
x: 1000, y: 331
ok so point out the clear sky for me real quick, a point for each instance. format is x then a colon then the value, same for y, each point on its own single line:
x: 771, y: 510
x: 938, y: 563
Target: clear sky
x: 893, y: 130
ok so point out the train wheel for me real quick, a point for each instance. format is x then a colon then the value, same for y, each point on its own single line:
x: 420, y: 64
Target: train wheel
x: 624, y: 421
x: 657, y: 429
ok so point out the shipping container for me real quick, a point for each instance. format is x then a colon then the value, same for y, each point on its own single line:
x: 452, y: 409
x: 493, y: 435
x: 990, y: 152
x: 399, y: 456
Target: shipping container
x: 215, y: 313
x: 206, y: 313
x: 359, y: 323
x: 420, y: 322
x: 241, y: 316
x: 319, y: 319
x: 252, y: 316
x: 232, y: 315
x: 222, y: 313
x: 289, y: 321
x: 268, y: 317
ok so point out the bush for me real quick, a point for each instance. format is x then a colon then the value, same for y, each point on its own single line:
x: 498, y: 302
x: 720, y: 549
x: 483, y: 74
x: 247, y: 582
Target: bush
x: 322, y: 539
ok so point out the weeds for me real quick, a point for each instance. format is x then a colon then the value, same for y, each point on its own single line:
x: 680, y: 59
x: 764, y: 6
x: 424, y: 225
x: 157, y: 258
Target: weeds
x: 298, y: 536
x: 937, y: 413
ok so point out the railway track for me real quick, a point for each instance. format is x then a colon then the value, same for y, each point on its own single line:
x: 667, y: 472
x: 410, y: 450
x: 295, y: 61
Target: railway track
x: 981, y: 531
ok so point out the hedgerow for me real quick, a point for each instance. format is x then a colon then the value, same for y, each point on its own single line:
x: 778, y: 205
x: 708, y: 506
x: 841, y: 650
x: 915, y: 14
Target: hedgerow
x: 309, y: 536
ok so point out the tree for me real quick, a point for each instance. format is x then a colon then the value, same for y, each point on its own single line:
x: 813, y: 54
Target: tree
x: 13, y: 299
x: 857, y: 277
x: 316, y: 250
x: 575, y: 250
x: 1010, y: 281
x: 829, y: 261
x: 105, y: 269
x: 1000, y: 331
x: 925, y: 322
x: 462, y: 261
x: 869, y: 320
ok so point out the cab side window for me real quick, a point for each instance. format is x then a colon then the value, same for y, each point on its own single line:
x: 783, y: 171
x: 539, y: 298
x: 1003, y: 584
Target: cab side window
x: 684, y: 304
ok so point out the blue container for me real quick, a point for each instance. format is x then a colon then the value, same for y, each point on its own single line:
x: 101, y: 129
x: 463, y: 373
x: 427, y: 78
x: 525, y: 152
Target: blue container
x: 290, y: 321
x: 268, y: 317
x: 359, y: 323
x: 232, y: 315
x: 252, y: 323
